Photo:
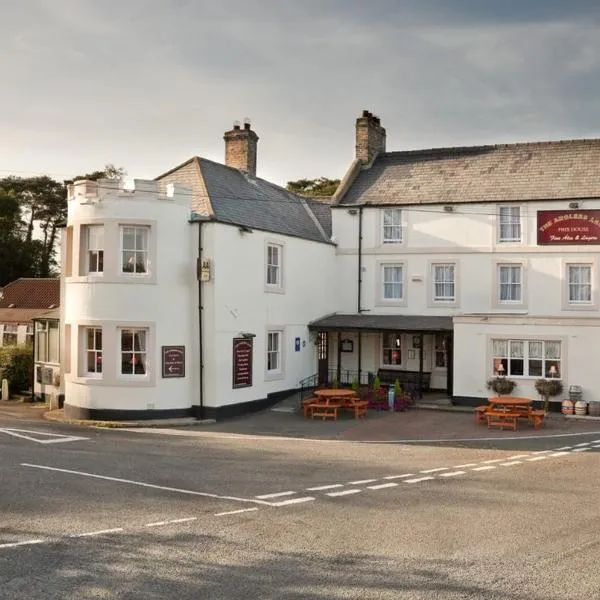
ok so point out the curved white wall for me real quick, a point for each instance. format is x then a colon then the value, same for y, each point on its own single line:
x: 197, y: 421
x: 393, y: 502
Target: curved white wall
x: 163, y: 301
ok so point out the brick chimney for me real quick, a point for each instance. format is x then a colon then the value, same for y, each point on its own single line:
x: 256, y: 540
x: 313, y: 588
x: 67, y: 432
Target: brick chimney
x: 240, y: 148
x: 370, y: 137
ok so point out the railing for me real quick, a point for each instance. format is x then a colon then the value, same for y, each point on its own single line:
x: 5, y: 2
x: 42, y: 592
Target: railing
x: 346, y: 379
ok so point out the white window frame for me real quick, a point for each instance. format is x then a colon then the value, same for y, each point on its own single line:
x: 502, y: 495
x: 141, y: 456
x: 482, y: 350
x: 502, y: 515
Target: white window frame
x: 274, y: 266
x: 516, y: 349
x: 136, y: 353
x: 273, y: 351
x: 509, y: 220
x: 94, y: 251
x: 42, y: 337
x: 95, y: 350
x: 29, y: 333
x: 435, y: 282
x: 513, y: 267
x: 381, y: 300
x: 397, y: 227
x: 279, y: 371
x: 143, y: 252
x: 10, y: 329
x: 570, y: 285
x: 398, y: 346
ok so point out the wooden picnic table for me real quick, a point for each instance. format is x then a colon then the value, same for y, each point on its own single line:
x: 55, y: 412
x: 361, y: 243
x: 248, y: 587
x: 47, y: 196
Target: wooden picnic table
x: 505, y: 411
x: 334, y: 393
x: 328, y: 401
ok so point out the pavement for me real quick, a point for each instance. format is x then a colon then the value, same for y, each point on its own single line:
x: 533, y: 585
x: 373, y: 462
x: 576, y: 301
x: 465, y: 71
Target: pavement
x: 223, y: 512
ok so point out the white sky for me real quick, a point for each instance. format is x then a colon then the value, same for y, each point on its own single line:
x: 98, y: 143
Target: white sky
x: 145, y: 84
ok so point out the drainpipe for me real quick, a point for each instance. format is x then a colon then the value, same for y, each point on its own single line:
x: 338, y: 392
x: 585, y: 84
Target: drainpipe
x: 359, y: 282
x: 200, y: 411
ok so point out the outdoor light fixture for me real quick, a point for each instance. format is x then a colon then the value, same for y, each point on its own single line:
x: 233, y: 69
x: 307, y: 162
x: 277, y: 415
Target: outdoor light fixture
x: 573, y: 204
x: 246, y: 335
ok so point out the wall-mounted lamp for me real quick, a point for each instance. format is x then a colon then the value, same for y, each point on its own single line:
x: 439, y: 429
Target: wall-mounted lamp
x: 352, y: 211
x: 246, y: 335
x: 573, y: 204
x: 448, y: 208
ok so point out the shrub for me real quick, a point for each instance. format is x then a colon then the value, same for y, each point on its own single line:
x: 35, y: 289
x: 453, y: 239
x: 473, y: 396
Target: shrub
x: 547, y: 388
x: 501, y: 385
x: 16, y: 365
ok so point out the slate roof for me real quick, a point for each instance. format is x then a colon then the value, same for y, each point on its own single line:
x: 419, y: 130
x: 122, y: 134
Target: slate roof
x: 235, y: 197
x: 501, y: 173
x: 364, y: 322
x: 31, y: 293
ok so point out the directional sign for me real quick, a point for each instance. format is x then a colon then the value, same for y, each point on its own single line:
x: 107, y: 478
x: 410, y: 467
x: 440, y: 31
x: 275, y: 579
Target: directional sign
x: 173, y: 361
x: 41, y: 437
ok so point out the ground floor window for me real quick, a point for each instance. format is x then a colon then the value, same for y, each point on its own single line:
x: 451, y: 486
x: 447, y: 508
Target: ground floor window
x: 9, y: 336
x: 47, y: 344
x: 273, y: 351
x: 93, y: 350
x: 392, y: 349
x: 133, y: 350
x: 527, y: 358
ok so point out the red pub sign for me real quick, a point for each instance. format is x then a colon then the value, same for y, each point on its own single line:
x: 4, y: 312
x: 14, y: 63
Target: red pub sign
x: 568, y: 227
x: 242, y: 362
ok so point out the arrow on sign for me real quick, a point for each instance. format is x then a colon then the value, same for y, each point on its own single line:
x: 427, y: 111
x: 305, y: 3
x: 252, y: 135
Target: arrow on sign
x: 51, y: 438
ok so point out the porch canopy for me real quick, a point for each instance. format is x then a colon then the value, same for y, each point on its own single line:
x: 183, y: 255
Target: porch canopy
x: 382, y: 323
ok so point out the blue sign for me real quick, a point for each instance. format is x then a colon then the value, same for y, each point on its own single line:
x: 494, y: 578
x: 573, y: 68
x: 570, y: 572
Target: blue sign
x: 297, y: 344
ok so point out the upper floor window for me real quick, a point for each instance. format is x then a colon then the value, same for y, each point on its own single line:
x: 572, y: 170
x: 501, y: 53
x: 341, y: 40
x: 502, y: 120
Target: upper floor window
x: 443, y: 283
x: 509, y: 224
x: 274, y: 254
x: 10, y: 334
x: 93, y: 350
x: 133, y: 351
x: 134, y: 249
x: 392, y: 226
x: 95, y: 248
x: 393, y: 284
x: 273, y: 351
x: 510, y: 283
x: 580, y: 284
x: 391, y: 349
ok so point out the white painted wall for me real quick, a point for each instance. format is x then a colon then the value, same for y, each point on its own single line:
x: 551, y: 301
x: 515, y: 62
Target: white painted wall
x: 165, y: 301
x: 236, y: 301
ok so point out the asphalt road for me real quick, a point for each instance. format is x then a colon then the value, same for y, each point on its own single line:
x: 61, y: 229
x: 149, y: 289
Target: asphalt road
x: 123, y: 514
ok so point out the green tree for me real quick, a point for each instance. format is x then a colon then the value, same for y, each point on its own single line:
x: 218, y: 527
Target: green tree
x: 322, y: 186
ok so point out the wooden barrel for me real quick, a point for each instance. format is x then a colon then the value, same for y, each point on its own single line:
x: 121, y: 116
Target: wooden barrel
x: 594, y: 409
x: 567, y: 407
x: 580, y: 407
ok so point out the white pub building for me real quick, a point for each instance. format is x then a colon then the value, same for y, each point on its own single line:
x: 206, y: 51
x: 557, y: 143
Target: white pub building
x: 211, y: 292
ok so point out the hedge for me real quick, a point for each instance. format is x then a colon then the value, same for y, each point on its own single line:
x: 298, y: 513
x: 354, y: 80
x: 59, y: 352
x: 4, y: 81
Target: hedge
x: 16, y: 365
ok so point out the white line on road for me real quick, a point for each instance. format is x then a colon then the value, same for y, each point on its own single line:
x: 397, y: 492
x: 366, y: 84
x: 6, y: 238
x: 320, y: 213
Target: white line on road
x: 435, y: 470
x: 277, y: 495
x: 536, y: 458
x: 143, y: 484
x: 417, y: 480
x: 361, y: 481
x: 486, y: 468
x: 58, y: 437
x: 465, y: 466
x: 292, y: 501
x: 565, y: 448
x: 452, y: 473
x: 100, y: 532
x: 582, y: 444
x: 511, y: 463
x: 542, y: 452
x: 399, y: 476
x: 559, y: 454
x: 324, y: 487
x: 343, y: 493
x: 580, y: 449
x: 236, y: 512
x: 517, y: 456
x: 381, y: 486
x: 26, y: 543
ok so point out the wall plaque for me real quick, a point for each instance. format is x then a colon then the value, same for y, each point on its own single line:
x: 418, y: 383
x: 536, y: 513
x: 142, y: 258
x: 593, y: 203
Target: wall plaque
x: 242, y: 362
x: 568, y: 227
x: 173, y: 361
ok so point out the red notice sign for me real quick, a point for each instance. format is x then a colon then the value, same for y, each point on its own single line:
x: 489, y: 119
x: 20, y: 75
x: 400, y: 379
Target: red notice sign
x: 173, y: 361
x: 568, y: 227
x: 242, y: 362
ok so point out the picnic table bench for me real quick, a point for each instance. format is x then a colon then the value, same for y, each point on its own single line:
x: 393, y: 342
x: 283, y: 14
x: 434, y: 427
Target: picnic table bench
x: 506, y: 412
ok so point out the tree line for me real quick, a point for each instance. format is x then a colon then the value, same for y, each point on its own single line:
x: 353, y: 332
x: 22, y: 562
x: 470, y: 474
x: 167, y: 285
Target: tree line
x: 32, y: 209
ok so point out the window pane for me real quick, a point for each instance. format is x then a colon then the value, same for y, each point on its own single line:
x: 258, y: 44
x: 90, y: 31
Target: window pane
x: 535, y: 349
x: 500, y: 348
x: 126, y: 340
x: 535, y: 368
x: 552, y: 350
x: 516, y: 349
x: 53, y: 343
x: 127, y: 363
x: 516, y: 366
x: 141, y: 239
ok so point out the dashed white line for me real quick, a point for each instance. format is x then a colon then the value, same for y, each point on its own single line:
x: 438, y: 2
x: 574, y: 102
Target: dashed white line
x: 381, y: 486
x: 100, y: 532
x: 343, y: 493
x: 361, y: 481
x: 452, y: 473
x: 172, y: 521
x: 582, y: 444
x: 465, y: 465
x: 511, y: 463
x: 435, y: 470
x: 564, y: 448
x: 559, y: 454
x: 292, y: 501
x: 537, y: 458
x: 417, y: 480
x: 517, y: 456
x: 486, y: 468
x: 324, y: 487
x: 277, y: 495
x: 399, y: 476
x: 26, y: 543
x: 580, y: 449
x: 236, y: 512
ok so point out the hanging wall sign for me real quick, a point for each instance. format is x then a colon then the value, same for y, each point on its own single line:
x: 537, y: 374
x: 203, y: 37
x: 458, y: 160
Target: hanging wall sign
x: 568, y: 227
x: 242, y: 362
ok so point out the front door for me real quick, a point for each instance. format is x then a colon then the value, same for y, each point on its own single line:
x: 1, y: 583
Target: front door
x: 322, y: 357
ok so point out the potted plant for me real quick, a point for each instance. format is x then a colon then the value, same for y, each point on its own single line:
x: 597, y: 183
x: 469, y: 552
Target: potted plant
x: 501, y: 385
x: 547, y: 388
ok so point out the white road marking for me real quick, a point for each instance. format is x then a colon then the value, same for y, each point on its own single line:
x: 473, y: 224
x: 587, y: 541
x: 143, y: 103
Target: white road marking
x: 596, y: 446
x: 537, y: 458
x: 582, y: 444
x: 26, y: 543
x: 559, y: 454
x: 565, y: 448
x: 277, y: 495
x: 465, y: 466
x: 143, y: 484
x: 292, y: 501
x: 361, y: 481
x: 399, y: 476
x: 486, y: 468
x: 580, y: 449
x: 417, y: 480
x: 381, y: 486
x: 542, y: 452
x: 100, y: 532
x: 452, y: 473
x: 236, y: 512
x: 596, y: 442
x: 325, y: 487
x: 435, y: 470
x: 511, y: 463
x: 343, y: 493
x: 517, y: 456
x: 58, y: 438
